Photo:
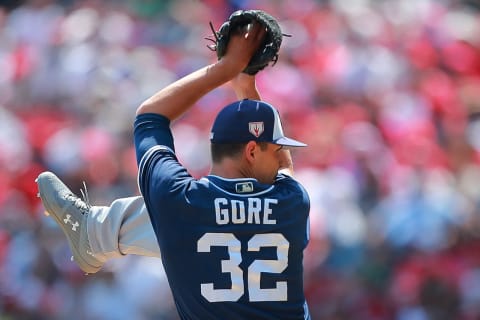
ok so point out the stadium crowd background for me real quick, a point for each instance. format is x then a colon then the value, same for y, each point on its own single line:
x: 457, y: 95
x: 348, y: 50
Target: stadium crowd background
x: 386, y: 93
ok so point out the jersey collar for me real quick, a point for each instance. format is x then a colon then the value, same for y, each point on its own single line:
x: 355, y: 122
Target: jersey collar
x: 238, y: 186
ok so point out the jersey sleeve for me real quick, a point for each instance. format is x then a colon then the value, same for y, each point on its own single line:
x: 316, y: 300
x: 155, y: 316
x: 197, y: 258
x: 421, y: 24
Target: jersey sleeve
x: 151, y: 130
x: 160, y: 175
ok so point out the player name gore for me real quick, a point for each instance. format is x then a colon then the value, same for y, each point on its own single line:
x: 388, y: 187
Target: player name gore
x: 248, y: 211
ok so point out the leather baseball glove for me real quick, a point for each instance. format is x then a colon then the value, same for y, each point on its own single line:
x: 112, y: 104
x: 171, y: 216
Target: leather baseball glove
x: 267, y: 52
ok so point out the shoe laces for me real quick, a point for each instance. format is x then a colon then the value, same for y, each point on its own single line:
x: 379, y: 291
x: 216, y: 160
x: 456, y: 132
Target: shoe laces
x: 83, y: 204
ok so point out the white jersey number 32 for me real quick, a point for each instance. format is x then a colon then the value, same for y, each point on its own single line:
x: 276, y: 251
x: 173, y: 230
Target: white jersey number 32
x: 255, y: 293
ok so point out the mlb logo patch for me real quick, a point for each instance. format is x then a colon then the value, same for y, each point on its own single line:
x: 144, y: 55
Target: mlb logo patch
x: 244, y: 187
x: 255, y: 128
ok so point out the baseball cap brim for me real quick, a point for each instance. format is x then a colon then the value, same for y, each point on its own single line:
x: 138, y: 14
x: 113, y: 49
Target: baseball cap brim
x: 284, y: 141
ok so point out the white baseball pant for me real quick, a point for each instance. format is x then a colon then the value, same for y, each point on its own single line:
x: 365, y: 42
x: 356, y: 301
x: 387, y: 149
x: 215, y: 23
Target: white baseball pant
x: 122, y: 228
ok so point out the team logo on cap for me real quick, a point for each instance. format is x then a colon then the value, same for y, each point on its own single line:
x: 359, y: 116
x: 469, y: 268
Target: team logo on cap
x: 255, y: 128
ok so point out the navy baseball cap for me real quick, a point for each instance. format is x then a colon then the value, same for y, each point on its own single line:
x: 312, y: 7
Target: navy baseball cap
x: 250, y: 120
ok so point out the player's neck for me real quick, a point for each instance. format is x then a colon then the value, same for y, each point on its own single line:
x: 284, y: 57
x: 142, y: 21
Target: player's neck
x: 230, y: 169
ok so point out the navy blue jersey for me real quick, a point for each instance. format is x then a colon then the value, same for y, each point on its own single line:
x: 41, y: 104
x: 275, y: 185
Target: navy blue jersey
x: 231, y: 248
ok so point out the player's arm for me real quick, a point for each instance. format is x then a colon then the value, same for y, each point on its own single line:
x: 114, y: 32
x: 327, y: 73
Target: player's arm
x: 286, y: 163
x: 173, y: 100
x: 245, y: 87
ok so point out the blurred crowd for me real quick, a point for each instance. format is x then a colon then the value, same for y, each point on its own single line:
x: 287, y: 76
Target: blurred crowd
x: 385, y: 92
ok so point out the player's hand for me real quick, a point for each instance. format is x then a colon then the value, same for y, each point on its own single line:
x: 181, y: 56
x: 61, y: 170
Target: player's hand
x: 242, y: 46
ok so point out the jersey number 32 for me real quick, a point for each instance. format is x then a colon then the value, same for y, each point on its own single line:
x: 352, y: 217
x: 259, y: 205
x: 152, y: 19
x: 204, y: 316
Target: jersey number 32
x: 256, y: 268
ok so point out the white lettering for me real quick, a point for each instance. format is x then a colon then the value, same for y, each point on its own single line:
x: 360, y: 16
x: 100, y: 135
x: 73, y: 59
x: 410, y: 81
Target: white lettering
x: 238, y: 216
x: 268, y: 211
x: 250, y: 210
x: 254, y: 208
x: 221, y: 214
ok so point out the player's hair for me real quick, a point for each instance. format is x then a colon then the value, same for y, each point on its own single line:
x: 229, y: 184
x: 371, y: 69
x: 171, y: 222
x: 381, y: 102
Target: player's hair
x: 230, y: 150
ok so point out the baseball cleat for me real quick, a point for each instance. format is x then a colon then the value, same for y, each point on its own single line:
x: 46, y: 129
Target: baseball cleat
x: 70, y: 212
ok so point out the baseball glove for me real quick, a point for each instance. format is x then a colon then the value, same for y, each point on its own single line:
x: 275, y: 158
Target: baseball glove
x: 268, y: 50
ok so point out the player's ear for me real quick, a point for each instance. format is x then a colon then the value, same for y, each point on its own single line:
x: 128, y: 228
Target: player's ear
x: 250, y: 151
